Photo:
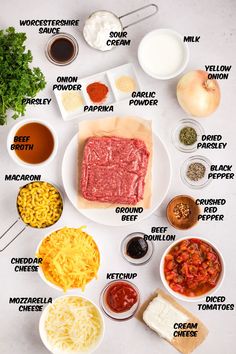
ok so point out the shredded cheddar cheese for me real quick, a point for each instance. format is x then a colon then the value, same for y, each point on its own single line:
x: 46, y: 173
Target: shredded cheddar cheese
x: 73, y: 324
x: 70, y: 258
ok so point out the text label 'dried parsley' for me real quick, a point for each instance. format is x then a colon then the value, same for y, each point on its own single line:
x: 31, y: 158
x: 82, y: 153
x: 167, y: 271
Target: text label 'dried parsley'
x: 17, y: 80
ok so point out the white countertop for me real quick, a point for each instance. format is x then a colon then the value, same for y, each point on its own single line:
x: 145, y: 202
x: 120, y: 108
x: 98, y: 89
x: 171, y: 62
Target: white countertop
x: 214, y: 21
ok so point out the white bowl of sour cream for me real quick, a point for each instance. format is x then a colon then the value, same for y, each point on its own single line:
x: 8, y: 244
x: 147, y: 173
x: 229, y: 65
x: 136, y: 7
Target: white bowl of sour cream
x: 163, y: 54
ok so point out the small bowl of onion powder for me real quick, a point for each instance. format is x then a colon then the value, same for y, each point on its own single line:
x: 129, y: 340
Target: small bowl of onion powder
x: 187, y: 134
x: 194, y: 172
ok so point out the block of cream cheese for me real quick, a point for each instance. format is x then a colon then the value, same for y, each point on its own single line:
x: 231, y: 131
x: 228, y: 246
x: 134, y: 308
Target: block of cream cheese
x: 166, y: 317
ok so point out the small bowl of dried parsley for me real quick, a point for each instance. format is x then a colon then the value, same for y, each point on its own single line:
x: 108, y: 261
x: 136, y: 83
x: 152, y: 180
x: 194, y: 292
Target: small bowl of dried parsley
x: 187, y: 134
x: 182, y: 212
x: 195, y: 171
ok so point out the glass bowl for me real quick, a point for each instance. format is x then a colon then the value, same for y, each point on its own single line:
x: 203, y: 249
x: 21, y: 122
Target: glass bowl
x: 136, y: 261
x: 200, y: 182
x: 119, y: 316
x: 186, y: 122
x: 70, y: 39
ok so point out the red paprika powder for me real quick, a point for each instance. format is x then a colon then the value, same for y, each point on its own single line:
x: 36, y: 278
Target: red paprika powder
x: 97, y: 92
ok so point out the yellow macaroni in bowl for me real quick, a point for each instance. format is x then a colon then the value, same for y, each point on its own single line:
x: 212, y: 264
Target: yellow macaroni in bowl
x: 39, y: 204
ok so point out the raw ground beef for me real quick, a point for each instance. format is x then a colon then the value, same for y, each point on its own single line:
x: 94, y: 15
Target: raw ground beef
x: 114, y: 170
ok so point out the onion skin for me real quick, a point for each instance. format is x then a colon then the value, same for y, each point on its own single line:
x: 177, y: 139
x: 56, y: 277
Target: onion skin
x: 198, y: 95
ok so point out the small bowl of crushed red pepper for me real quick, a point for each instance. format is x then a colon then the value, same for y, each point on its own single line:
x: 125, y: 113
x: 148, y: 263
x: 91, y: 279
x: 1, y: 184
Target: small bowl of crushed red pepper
x: 120, y: 300
x: 182, y: 212
x: 192, y: 268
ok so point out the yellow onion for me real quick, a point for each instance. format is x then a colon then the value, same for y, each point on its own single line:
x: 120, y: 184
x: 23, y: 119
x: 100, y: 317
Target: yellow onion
x: 198, y: 95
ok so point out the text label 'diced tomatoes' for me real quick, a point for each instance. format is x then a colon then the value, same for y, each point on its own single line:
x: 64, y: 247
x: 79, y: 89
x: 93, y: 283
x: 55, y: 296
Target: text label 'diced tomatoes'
x: 192, y: 267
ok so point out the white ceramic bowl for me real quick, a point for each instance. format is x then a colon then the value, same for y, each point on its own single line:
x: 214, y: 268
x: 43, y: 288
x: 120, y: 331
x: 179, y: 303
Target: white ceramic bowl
x: 195, y: 298
x: 142, y: 50
x: 10, y: 139
x: 43, y: 335
x: 41, y: 273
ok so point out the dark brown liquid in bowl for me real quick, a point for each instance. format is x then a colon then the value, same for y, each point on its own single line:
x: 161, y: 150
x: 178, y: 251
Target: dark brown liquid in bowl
x: 42, y: 140
x: 62, y: 50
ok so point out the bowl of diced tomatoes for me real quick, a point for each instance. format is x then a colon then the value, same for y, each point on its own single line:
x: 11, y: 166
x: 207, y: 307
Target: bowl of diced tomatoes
x: 192, y: 268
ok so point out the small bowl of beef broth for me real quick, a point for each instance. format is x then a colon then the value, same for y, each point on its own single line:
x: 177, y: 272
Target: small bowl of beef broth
x: 62, y: 49
x: 32, y: 143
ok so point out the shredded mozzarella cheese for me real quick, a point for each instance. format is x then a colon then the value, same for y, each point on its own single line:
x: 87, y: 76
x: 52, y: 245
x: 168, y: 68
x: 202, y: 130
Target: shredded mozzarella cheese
x: 73, y: 324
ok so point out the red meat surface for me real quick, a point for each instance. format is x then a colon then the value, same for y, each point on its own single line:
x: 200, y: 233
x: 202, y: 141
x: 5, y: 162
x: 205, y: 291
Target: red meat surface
x: 114, y: 170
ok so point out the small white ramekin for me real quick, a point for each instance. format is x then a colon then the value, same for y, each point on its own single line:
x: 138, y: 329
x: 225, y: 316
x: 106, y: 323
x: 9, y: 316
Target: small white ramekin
x: 10, y: 140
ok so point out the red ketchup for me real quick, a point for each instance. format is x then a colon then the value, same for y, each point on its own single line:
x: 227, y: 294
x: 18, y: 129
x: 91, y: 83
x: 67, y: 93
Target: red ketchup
x: 121, y: 296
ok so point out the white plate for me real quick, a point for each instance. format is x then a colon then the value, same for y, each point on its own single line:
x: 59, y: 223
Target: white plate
x: 161, y: 176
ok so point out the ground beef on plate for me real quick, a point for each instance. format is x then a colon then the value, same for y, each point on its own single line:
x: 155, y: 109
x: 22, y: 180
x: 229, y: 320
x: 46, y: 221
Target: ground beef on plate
x: 114, y: 170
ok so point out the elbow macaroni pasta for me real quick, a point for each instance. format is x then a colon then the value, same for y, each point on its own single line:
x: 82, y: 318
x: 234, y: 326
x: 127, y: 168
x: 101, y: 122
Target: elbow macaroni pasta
x: 39, y: 204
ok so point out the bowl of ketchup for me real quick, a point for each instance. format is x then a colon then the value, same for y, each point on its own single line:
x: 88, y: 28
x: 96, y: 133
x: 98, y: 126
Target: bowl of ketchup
x: 120, y: 300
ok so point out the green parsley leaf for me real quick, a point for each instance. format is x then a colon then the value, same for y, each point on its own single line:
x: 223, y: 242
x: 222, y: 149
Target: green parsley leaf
x: 17, y: 80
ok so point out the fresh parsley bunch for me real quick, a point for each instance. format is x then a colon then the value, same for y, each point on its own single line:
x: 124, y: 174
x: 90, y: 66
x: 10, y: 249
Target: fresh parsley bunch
x: 17, y: 79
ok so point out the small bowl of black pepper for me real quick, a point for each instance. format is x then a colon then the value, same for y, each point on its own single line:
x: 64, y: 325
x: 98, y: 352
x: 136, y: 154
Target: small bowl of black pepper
x: 195, y: 171
x: 187, y: 134
x: 136, y: 248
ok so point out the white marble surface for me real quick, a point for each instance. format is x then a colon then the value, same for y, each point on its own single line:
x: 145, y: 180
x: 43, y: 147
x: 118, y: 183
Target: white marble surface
x: 214, y: 21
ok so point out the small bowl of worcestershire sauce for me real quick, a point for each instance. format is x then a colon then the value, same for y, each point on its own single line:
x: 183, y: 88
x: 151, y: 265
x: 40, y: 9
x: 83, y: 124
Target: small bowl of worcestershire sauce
x: 120, y: 300
x: 62, y: 49
x: 32, y: 143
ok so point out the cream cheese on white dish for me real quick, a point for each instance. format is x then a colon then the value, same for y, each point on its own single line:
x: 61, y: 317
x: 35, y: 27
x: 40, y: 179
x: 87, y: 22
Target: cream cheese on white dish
x: 161, y: 316
x: 98, y: 27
